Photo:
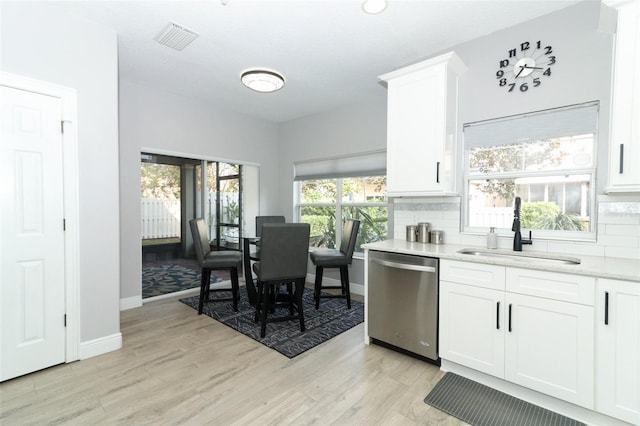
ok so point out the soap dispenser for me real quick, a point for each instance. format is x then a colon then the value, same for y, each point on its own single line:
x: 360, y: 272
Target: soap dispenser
x: 492, y: 239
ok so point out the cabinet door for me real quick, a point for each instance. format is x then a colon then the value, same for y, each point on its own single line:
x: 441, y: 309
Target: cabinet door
x: 416, y: 131
x: 618, y: 349
x: 624, y: 150
x: 471, y: 327
x: 549, y: 347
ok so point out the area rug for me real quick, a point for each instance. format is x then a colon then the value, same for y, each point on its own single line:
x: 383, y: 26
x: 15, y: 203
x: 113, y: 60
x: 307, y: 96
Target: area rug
x: 331, y: 319
x: 169, y: 278
x: 480, y: 405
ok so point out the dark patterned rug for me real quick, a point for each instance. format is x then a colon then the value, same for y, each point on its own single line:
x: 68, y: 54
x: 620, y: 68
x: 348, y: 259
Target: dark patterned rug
x: 169, y: 278
x: 331, y: 319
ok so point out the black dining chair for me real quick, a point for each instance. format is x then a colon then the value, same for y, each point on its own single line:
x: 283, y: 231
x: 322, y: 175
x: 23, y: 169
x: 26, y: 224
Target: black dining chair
x: 332, y: 258
x: 283, y: 259
x: 214, y: 261
x: 260, y: 221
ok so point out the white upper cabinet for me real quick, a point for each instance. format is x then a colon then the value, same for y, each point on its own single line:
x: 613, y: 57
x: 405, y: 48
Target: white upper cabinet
x: 422, y: 127
x: 624, y: 148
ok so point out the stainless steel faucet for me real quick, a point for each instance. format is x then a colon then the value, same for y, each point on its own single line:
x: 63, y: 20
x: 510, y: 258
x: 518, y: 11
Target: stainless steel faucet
x: 517, y: 237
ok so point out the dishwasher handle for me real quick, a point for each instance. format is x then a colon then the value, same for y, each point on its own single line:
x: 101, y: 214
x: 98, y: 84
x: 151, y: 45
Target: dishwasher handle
x: 407, y: 266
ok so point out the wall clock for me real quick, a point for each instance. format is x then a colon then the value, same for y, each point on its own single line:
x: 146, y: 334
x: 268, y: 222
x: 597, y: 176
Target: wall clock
x: 525, y: 66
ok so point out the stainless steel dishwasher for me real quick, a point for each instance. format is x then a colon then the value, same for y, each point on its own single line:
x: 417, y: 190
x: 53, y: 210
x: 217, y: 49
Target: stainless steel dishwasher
x: 403, y: 302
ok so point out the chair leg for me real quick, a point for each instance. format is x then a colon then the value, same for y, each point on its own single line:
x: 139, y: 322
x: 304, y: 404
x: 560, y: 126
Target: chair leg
x: 290, y: 296
x: 207, y: 286
x: 318, y: 286
x: 259, y: 300
x: 235, y: 288
x: 344, y: 277
x: 203, y: 292
x: 265, y: 309
x: 298, y: 294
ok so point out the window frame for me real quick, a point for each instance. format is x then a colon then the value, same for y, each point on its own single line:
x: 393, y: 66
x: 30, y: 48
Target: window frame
x: 541, y: 234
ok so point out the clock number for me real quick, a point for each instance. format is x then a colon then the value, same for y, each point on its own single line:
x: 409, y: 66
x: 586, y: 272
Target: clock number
x: 524, y: 46
x: 538, y: 44
x: 536, y: 82
x: 552, y: 60
x: 504, y: 63
x: 547, y: 72
x: 511, y: 86
x: 499, y: 74
x: 524, y: 87
x: 503, y: 82
x: 548, y: 49
x: 512, y: 53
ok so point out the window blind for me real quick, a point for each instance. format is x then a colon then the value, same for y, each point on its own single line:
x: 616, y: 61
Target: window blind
x: 567, y: 121
x: 365, y: 164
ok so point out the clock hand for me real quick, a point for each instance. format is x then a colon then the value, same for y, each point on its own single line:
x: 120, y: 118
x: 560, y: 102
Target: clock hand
x: 531, y: 68
x: 520, y: 72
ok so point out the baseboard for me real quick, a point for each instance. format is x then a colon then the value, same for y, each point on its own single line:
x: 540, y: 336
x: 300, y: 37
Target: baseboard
x: 354, y: 287
x: 189, y: 292
x: 130, y: 303
x: 100, y: 346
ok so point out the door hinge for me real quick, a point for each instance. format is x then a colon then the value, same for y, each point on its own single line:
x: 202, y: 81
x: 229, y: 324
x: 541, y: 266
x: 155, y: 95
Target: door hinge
x: 65, y: 320
x: 64, y: 224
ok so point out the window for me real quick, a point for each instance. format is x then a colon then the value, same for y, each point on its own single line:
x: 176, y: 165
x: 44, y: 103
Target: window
x: 324, y: 203
x: 350, y: 187
x: 546, y: 158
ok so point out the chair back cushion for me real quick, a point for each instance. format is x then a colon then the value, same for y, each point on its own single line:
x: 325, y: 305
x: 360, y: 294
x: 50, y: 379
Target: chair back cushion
x: 200, y: 238
x: 284, y: 250
x: 349, y: 236
x: 261, y: 220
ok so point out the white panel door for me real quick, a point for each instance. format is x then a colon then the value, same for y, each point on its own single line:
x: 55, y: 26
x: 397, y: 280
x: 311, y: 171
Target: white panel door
x: 471, y: 327
x: 618, y: 349
x: 32, y: 274
x: 549, y: 347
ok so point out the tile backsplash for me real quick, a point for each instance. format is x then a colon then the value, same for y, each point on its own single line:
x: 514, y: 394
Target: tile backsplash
x: 618, y: 226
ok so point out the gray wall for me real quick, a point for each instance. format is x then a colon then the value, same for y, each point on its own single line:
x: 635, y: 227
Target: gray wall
x: 582, y: 72
x: 39, y: 43
x: 163, y: 121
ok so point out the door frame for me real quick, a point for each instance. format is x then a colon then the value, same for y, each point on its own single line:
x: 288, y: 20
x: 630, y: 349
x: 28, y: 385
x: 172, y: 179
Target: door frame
x: 71, y: 204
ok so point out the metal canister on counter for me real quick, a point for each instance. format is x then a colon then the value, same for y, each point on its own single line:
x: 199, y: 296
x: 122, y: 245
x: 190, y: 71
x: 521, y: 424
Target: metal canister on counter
x: 437, y: 237
x: 423, y: 232
x: 411, y: 233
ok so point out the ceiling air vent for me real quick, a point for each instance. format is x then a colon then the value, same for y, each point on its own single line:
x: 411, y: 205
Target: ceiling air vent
x: 176, y: 36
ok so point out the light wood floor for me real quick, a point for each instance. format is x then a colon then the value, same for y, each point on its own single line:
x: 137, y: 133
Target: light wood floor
x: 177, y: 367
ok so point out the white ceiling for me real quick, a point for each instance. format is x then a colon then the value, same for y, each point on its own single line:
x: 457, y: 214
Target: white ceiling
x: 329, y: 51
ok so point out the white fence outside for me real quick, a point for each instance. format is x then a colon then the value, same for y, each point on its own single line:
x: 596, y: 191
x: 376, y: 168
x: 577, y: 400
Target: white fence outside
x: 498, y: 217
x: 160, y: 218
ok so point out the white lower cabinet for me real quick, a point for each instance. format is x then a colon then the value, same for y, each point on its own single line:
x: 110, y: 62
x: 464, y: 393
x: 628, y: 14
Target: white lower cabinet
x: 549, y: 347
x: 618, y: 349
x: 471, y: 327
x: 529, y: 339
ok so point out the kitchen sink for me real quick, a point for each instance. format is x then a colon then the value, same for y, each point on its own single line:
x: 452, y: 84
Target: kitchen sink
x: 520, y: 256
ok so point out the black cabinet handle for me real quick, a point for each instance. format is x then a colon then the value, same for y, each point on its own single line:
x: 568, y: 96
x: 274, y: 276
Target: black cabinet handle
x: 438, y: 172
x: 509, y: 317
x: 498, y: 316
x: 621, y: 158
x: 606, y: 308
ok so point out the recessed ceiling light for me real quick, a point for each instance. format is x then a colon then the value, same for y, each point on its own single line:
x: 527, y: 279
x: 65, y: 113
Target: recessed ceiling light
x: 374, y: 6
x: 262, y: 80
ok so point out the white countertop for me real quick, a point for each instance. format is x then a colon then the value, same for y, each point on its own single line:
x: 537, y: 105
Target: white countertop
x: 603, y: 267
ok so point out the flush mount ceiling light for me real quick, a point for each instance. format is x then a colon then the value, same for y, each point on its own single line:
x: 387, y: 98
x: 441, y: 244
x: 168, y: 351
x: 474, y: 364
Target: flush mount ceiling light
x: 373, y: 7
x: 262, y: 80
